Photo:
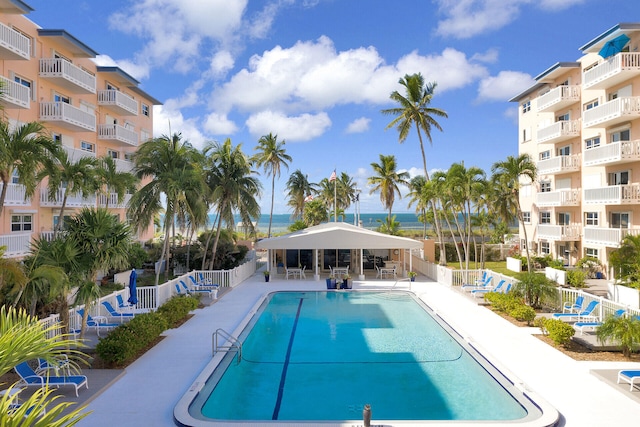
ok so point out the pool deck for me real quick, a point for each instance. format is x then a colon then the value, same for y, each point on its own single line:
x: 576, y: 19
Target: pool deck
x: 145, y: 393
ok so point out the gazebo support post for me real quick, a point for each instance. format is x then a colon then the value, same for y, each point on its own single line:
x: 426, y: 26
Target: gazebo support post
x: 361, y: 276
x: 316, y: 276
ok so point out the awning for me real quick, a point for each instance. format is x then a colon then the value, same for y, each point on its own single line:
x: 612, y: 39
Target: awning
x: 614, y: 46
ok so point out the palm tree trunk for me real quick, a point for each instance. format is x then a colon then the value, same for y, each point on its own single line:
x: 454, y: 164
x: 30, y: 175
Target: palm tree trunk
x: 273, y: 184
x: 3, y: 194
x: 215, y: 242
x: 61, y: 214
x: 164, y: 248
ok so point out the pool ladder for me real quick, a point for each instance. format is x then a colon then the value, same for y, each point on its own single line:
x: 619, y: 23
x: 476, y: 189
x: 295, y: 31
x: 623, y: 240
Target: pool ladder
x: 229, y: 343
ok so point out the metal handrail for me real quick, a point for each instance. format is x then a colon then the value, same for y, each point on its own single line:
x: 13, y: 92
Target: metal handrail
x: 231, y: 343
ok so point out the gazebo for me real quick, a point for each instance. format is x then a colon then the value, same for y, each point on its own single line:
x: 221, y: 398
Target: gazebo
x: 336, y: 235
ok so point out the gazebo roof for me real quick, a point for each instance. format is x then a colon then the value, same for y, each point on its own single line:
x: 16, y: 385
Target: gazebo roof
x: 337, y: 235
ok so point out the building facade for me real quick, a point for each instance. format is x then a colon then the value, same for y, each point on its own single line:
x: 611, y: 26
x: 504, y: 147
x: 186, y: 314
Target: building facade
x: 580, y: 123
x: 50, y: 77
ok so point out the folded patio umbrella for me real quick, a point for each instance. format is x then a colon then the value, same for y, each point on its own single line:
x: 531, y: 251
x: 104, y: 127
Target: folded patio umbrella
x: 133, y: 294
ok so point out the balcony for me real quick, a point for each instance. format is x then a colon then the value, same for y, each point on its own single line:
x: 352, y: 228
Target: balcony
x: 17, y: 244
x: 74, y: 201
x: 75, y: 154
x: 13, y: 45
x: 559, y: 131
x: 67, y: 116
x: 569, y: 197
x: 67, y: 75
x: 14, y: 95
x: 558, y: 98
x: 623, y: 66
x: 15, y: 196
x: 610, y: 113
x: 612, y: 154
x: 559, y: 164
x: 118, y: 133
x: 112, y: 198
x: 610, y: 237
x: 123, y: 165
x: 613, y: 195
x: 118, y: 102
x: 562, y: 233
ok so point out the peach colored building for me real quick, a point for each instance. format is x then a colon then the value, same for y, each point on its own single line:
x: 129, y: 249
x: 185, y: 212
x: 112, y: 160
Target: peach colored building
x: 580, y: 122
x: 50, y: 76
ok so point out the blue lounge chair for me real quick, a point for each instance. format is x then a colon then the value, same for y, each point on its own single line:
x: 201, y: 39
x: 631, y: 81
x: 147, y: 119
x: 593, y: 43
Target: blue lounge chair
x: 116, y: 314
x: 29, y: 378
x: 477, y: 292
x: 202, y: 282
x: 182, y: 288
x: 507, y: 288
x: 630, y: 376
x: 96, y: 324
x: 584, y: 315
x: 592, y: 326
x: 574, y: 307
x: 483, y: 285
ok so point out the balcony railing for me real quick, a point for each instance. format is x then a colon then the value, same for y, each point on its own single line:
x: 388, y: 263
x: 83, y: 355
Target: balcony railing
x: 616, y: 152
x: 559, y: 164
x: 611, y: 237
x: 560, y: 97
x: 559, y: 131
x: 14, y: 94
x: 67, y: 75
x: 615, y: 111
x: 613, y: 195
x: 13, y: 45
x: 613, y: 70
x: 118, y: 133
x: 112, y: 198
x: 68, y: 116
x: 569, y: 197
x: 559, y: 232
x: 123, y: 165
x: 118, y: 101
x: 15, y: 195
x: 17, y: 244
x: 76, y: 154
x: 73, y: 201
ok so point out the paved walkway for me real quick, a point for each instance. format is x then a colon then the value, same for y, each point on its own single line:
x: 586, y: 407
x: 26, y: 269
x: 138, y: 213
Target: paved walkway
x: 147, y: 391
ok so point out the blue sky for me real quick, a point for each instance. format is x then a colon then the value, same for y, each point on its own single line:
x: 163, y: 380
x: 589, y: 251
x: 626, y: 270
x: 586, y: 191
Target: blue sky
x: 318, y: 72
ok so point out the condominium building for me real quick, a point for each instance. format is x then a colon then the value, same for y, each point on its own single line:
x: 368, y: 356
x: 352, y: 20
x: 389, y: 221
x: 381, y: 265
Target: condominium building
x: 580, y: 123
x: 50, y: 76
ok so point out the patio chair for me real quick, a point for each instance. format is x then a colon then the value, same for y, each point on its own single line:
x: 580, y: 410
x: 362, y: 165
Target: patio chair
x: 29, y: 378
x: 573, y: 307
x: 483, y: 285
x: 129, y: 308
x: 196, y: 290
x: 477, y: 292
x: 584, y: 315
x: 60, y: 364
x: 593, y: 325
x: 630, y: 376
x: 96, y: 323
x: 302, y: 275
x: 116, y: 314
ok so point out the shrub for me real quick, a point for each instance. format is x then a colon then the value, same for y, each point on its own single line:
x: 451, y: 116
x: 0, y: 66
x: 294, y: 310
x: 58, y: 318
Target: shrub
x: 524, y: 313
x: 624, y: 330
x: 536, y: 289
x: 559, y: 331
x: 503, y: 302
x: 177, y: 308
x: 576, y: 278
x: 539, y: 323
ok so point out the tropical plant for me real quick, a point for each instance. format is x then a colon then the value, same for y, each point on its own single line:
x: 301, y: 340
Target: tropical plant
x: 113, y: 181
x: 535, y: 288
x: 299, y: 192
x: 625, y: 260
x: 315, y: 212
x: 389, y: 226
x: 416, y: 187
x: 271, y: 156
x: 624, y: 330
x: 387, y: 181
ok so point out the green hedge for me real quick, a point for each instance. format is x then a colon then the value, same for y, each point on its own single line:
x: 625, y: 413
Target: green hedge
x: 177, y: 308
x: 559, y: 331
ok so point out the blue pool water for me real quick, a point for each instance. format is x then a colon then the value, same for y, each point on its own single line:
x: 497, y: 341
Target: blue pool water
x: 322, y: 355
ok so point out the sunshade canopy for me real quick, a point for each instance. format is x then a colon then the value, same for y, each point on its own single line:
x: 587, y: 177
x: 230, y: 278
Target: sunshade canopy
x: 337, y: 235
x: 614, y: 46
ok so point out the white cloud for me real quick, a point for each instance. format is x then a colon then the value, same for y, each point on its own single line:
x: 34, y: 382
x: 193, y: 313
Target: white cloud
x: 167, y: 122
x: 489, y: 57
x: 359, y: 125
x: 504, y: 86
x: 221, y: 63
x: 556, y: 5
x: 300, y: 128
x: 219, y: 124
x: 468, y: 18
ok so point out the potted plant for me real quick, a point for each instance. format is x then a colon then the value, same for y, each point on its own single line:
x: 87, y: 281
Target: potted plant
x: 331, y: 282
x: 412, y: 276
x: 346, y: 282
x: 267, y: 273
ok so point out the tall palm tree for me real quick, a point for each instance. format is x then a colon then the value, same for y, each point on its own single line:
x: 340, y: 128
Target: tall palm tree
x: 416, y: 188
x: 387, y: 180
x: 232, y: 185
x: 111, y: 180
x: 508, y: 175
x: 346, y: 191
x: 414, y: 110
x: 298, y: 190
x: 271, y: 156
x: 23, y: 151
x: 174, y: 179
x: 72, y: 177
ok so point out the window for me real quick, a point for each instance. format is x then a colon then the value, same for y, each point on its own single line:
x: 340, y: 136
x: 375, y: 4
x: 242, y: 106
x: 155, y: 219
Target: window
x: 545, y: 155
x: 15, y: 177
x: 623, y: 135
x: 545, y: 186
x: 564, y: 218
x: 113, y: 154
x: 591, y: 218
x: 619, y: 219
x: 87, y: 146
x: 526, y: 217
x: 22, y: 81
x: 128, y: 157
x: 592, y: 142
x: 590, y: 105
x: 564, y: 151
x: 562, y: 118
x: 145, y: 110
x: 591, y: 253
x: 57, y: 138
x: 21, y: 223
x: 545, y: 217
x: 618, y: 178
x: 61, y: 98
x: 544, y: 248
x: 56, y: 219
x: 111, y: 87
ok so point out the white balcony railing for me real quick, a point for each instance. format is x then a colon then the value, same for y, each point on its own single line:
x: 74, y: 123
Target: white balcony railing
x: 559, y: 164
x: 68, y: 75
x: 570, y: 197
x: 73, y: 201
x: 123, y: 165
x: 559, y: 232
x: 615, y: 111
x: 613, y: 70
x: 559, y: 131
x: 613, y: 195
x: 616, y: 152
x: 68, y: 116
x: 17, y: 244
x: 75, y: 154
x: 119, y: 101
x: 559, y: 97
x: 611, y: 237
x: 13, y: 45
x: 112, y: 198
x: 118, y: 133
x: 15, y: 195
x: 14, y: 94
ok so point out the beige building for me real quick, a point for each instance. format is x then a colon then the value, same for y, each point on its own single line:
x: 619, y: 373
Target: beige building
x: 50, y: 76
x: 580, y: 123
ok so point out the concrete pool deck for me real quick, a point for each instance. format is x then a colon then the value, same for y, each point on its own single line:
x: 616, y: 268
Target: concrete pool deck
x: 147, y: 391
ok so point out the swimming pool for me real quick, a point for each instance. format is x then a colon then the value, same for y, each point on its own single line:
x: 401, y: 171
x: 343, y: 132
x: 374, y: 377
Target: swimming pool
x: 318, y: 357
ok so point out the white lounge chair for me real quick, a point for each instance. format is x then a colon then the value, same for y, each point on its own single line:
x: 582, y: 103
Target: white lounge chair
x: 481, y: 292
x: 483, y: 285
x: 630, y: 376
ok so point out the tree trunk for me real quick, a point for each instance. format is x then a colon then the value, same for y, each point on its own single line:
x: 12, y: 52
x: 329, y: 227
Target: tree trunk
x: 273, y: 183
x: 61, y: 214
x: 3, y: 194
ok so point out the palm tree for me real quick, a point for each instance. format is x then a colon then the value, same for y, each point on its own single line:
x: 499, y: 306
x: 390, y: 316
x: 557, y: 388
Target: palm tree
x: 346, y: 191
x: 271, y: 156
x: 414, y: 110
x: 298, y: 190
x: 416, y: 188
x: 626, y: 259
x: 622, y: 329
x: 386, y: 181
x: 232, y: 185
x: 23, y: 152
x: 315, y: 213
x: 73, y: 177
x: 111, y: 180
x: 507, y: 177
